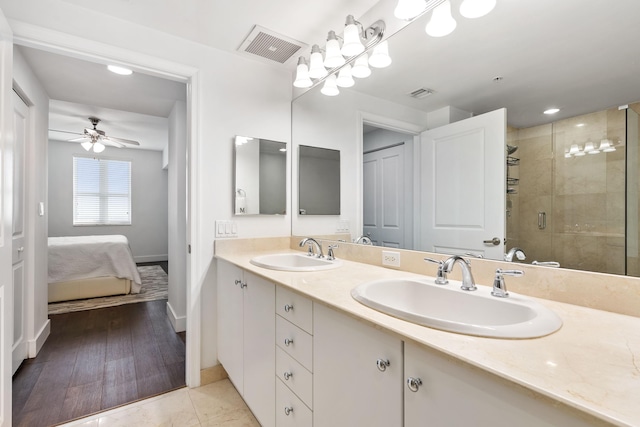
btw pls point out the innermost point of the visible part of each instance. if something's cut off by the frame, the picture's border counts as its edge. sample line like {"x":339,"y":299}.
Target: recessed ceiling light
{"x":579,"y":125}
{"x":119,"y":70}
{"x":551,"y":111}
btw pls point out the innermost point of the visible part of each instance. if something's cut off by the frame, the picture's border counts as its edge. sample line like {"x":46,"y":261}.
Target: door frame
{"x":84,"y":49}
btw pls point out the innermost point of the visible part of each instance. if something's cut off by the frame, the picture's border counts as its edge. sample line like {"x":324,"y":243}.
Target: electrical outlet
{"x":390,"y":258}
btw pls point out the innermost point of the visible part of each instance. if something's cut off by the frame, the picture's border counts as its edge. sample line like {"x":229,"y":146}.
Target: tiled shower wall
{"x":583,"y":197}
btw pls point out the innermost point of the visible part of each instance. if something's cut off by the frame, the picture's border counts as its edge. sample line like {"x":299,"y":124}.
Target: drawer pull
{"x":288,"y":307}
{"x":382,"y":364}
{"x":288,"y":410}
{"x":414,"y":384}
{"x":287,"y":375}
{"x":288,"y":342}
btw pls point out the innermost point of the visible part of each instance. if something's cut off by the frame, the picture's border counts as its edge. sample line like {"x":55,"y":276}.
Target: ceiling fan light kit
{"x":96,"y":139}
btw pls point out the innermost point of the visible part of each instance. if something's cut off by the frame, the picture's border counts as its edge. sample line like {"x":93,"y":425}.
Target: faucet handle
{"x":330,"y":255}
{"x":546,"y":263}
{"x":473,"y":255}
{"x":499,"y":285}
{"x":441,"y":278}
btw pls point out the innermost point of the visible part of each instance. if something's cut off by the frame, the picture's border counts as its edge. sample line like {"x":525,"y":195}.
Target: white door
{"x":20,"y":128}
{"x":463,"y":187}
{"x":383,"y":197}
{"x":6,"y":211}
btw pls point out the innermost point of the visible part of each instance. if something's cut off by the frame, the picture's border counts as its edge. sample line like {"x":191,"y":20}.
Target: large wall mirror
{"x":570,"y":179}
{"x":260,"y":177}
{"x":318,"y":181}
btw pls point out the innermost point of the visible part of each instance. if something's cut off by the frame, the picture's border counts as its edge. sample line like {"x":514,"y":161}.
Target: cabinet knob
{"x":21,"y":249}
{"x":288,"y":410}
{"x":288,"y":342}
{"x":243,"y":285}
{"x":288,"y":307}
{"x":383,"y":364}
{"x":414,"y":384}
{"x":287,"y":375}
{"x":238,"y":281}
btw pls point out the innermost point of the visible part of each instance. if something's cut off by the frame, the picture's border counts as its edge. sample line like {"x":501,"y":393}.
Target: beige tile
{"x":213,"y":374}
{"x":219,"y":404}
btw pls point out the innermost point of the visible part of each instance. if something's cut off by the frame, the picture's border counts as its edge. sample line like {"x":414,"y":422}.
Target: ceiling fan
{"x":96,"y":139}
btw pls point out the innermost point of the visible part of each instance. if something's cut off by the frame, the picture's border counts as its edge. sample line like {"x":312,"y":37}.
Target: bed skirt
{"x":88,"y":288}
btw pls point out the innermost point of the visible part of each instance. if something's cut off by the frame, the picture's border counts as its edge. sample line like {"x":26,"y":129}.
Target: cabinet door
{"x":230,"y":322}
{"x":259,"y":348}
{"x":349,"y":389}
{"x":455,"y":394}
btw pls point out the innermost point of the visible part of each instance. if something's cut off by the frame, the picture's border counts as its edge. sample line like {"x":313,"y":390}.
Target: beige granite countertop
{"x":591,"y":364}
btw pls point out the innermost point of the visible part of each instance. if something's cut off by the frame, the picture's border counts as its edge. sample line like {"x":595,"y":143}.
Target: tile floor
{"x":216,"y":404}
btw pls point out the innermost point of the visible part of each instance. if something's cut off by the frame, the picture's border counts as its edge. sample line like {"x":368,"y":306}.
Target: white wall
{"x":147,"y":233}
{"x":36,"y":191}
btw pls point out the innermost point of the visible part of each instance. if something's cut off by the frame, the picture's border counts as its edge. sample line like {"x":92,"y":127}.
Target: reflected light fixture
{"x":345,"y":78}
{"x":352,"y":45}
{"x":330,"y":87}
{"x":574,"y":149}
{"x":119,"y":70}
{"x":409,"y":9}
{"x":551,"y":111}
{"x":316,"y":64}
{"x":476,"y":8}
{"x":606,"y":146}
{"x":380,"y":57}
{"x":590,"y":148}
{"x":441,"y":22}
{"x":361,"y":68}
{"x":302,"y":74}
{"x":333,"y":57}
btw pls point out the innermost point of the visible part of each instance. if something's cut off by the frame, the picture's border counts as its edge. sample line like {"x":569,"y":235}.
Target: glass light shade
{"x":409,"y":9}
{"x":316,"y":64}
{"x":361,"y":68}
{"x":606,"y":146}
{"x":302,"y":74}
{"x":578,"y":153}
{"x":87,"y":145}
{"x":330,"y":87}
{"x":344,"y":77}
{"x":333,"y":58}
{"x":352,"y":45}
{"x":567,"y":154}
{"x":98,"y":147}
{"x":574,"y":149}
{"x":441,"y":22}
{"x":590,"y":148}
{"x":380,"y":57}
{"x":476,"y":8}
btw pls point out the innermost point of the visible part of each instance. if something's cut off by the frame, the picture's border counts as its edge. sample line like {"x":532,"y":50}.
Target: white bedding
{"x":84,"y":257}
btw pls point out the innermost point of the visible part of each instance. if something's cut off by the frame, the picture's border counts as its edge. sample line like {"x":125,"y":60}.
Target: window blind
{"x":101,"y":191}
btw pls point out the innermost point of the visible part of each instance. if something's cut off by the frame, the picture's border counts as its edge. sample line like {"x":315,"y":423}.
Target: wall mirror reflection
{"x":260,"y":177}
{"x":562,"y":195}
{"x":318,"y":181}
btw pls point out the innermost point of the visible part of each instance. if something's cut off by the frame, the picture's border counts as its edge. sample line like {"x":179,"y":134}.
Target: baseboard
{"x":212,"y":374}
{"x":151,"y":258}
{"x":36,"y":344}
{"x":179,"y":323}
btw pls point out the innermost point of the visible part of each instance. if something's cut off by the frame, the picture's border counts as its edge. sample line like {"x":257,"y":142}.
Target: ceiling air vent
{"x":423,"y":92}
{"x":269,"y":45}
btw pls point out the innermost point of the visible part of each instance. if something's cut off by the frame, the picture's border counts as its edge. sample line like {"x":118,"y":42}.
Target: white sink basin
{"x":449,"y":308}
{"x":294,"y":262}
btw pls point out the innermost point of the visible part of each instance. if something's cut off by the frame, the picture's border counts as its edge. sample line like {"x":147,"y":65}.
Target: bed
{"x":91,"y":266}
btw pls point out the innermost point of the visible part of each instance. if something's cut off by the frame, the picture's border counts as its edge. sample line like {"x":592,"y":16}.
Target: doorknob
{"x":495,"y":241}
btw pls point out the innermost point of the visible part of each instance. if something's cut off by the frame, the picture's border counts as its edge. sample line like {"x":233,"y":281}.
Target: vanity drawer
{"x":295,"y":308}
{"x":295,"y":342}
{"x":295,"y":376}
{"x":290,"y":411}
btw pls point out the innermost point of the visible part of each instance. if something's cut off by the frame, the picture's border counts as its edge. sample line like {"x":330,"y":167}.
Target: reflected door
{"x":463,"y":187}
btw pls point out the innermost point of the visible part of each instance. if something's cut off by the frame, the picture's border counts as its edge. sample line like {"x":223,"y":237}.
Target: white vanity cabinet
{"x":357,"y":372}
{"x":246,"y":332}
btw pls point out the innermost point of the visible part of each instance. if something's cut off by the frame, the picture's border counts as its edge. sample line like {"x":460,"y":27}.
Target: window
{"x":101,"y":191}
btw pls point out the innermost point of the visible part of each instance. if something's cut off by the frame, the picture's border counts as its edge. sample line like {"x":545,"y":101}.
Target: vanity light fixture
{"x":606,"y":146}
{"x":574,"y":149}
{"x":333,"y":57}
{"x":361,"y":68}
{"x":551,"y":111}
{"x":119,"y":70}
{"x":302,"y":74}
{"x":352,"y":45}
{"x":476,"y":8}
{"x":345,"y":78}
{"x":441,"y":22}
{"x":409,"y":9}
{"x":380,"y":57}
{"x":590,"y":148}
{"x":316,"y":64}
{"x":330,"y":87}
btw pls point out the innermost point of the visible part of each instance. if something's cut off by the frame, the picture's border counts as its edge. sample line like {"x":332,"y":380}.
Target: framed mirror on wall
{"x":318,"y":181}
{"x":260,"y":178}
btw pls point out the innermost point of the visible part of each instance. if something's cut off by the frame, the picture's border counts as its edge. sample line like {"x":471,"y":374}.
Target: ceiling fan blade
{"x":91,"y":132}
{"x":81,"y":139}
{"x":64,"y":131}
{"x":111,"y":142}
{"x":122,"y":140}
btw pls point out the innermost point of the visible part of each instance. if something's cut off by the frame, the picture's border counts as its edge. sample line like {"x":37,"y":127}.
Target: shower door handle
{"x":495,"y":241}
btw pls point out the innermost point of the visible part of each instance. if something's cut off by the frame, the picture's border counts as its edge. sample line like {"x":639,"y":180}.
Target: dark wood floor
{"x":98,"y":359}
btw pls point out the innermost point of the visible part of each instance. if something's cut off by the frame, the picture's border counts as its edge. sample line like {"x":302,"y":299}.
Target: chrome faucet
{"x":441,"y":277}
{"x":468,"y":284}
{"x":499,"y":285}
{"x":330,"y":254}
{"x":519,"y":253}
{"x":311,"y":242}
{"x":365,"y":240}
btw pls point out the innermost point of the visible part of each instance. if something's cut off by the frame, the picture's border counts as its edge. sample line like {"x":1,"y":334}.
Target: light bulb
{"x":476,"y":8}
{"x":87,"y":145}
{"x":361,"y":67}
{"x":344,"y":77}
{"x":441,"y":22}
{"x":333,"y":58}
{"x":352,"y":45}
{"x":316,"y":64}
{"x":380,"y":57}
{"x":98,"y":147}
{"x":302,"y":74}
{"x":330,"y":87}
{"x":409,"y":9}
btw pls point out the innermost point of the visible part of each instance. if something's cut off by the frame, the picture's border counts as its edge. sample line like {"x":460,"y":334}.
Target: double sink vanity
{"x":310,"y":341}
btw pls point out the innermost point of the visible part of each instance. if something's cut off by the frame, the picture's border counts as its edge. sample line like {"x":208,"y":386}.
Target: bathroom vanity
{"x":301,"y":351}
